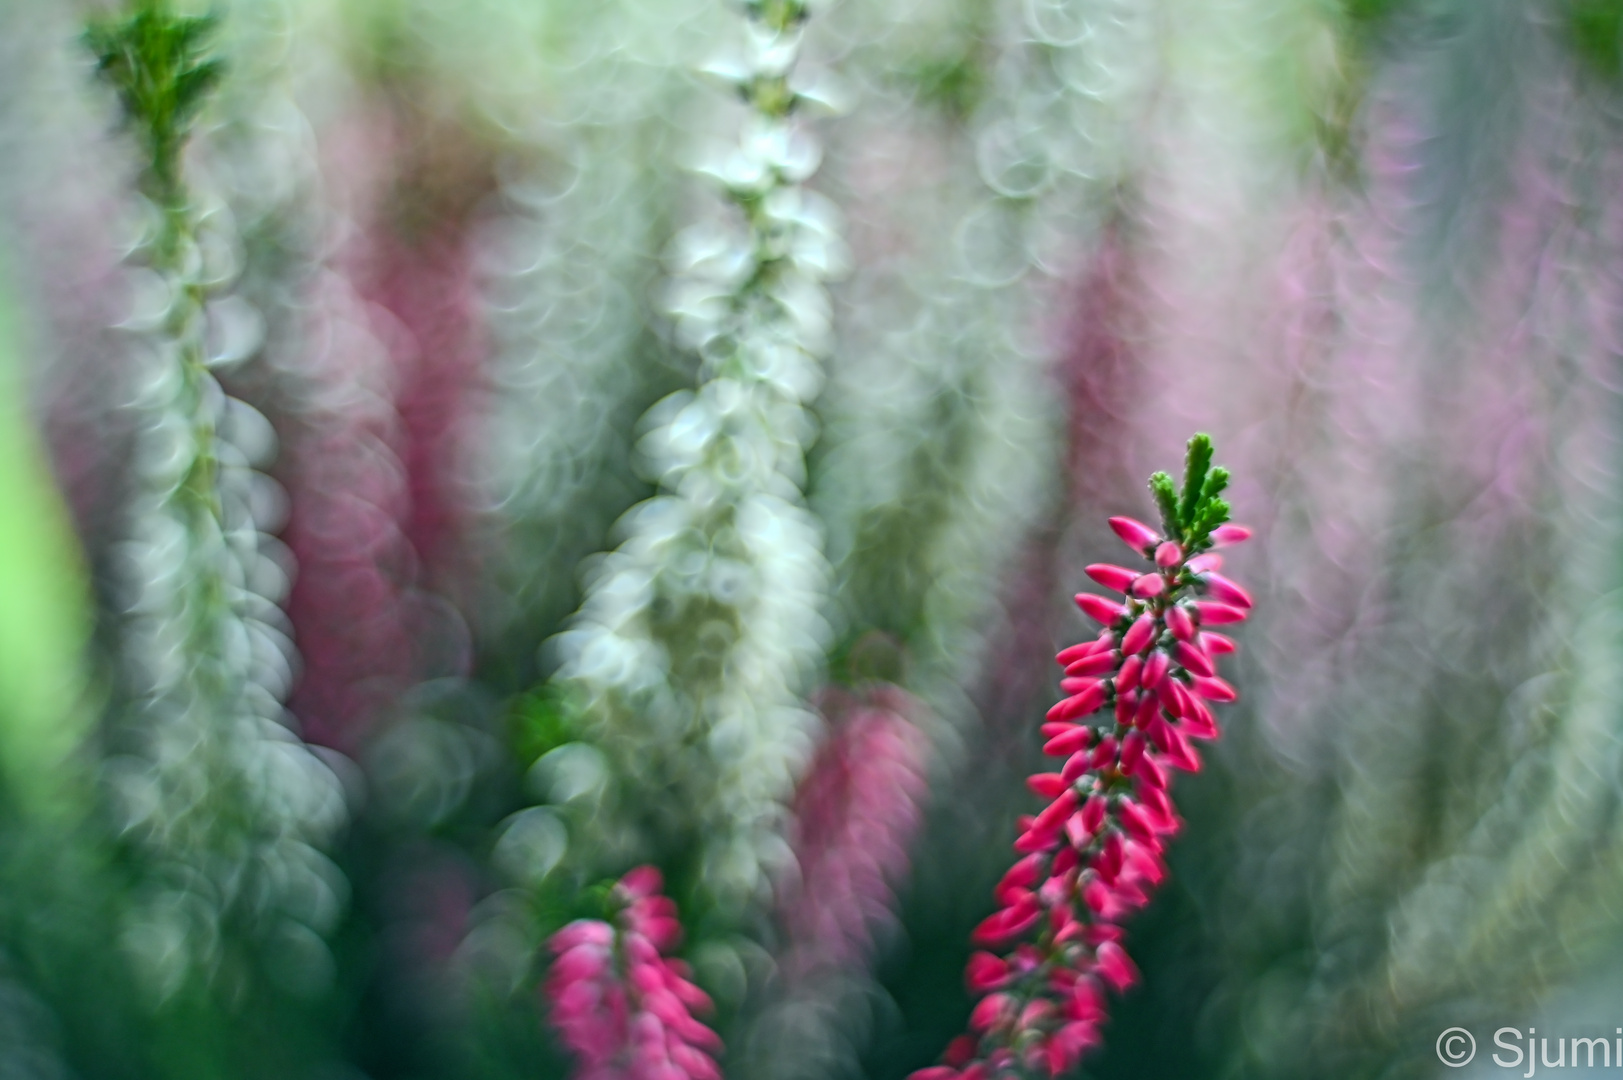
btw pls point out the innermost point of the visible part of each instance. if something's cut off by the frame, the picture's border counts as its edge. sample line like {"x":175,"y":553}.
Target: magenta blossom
{"x":1093,"y":854}
{"x":622,"y":1006}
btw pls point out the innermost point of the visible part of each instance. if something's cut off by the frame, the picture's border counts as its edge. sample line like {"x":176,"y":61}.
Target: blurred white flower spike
{"x":699,"y":633}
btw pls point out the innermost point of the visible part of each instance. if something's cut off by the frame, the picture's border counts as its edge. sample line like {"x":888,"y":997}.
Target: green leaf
{"x":1196,"y":462}
{"x":1166,"y":500}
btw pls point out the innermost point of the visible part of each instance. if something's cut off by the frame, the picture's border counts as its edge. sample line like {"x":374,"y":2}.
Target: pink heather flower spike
{"x":1094,"y":853}
{"x":624,"y":1008}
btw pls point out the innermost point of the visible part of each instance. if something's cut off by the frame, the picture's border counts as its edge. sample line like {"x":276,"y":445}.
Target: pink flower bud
{"x":1222,"y":589}
{"x":1022,"y":874}
{"x":1087,"y":1001}
{"x":1150,"y":773}
{"x":1148,"y":709}
{"x":1077,"y":832}
{"x":643,"y":881}
{"x":985,"y":972}
{"x":1086,"y":699}
{"x":1076,"y":684}
{"x":1070,"y":655}
{"x":1103,"y":754}
{"x":1069,"y":742}
{"x":1115,"y":578}
{"x":1132,"y":748}
{"x":1213,"y":689}
{"x":582,"y":932}
{"x":1175,"y":697}
{"x":1115,"y":967}
{"x":1054,"y":814}
{"x":1093,"y":812}
{"x":1108,"y":862}
{"x":1212,"y":613}
{"x":1148,"y":586}
{"x":1168,"y":555}
{"x":1135,"y":534}
{"x":1135,"y":821}
{"x":1227,"y":535}
{"x":1075,"y":766}
{"x":990,"y":1011}
{"x":1099,"y":608}
{"x":1046,"y":785}
{"x":1198,"y":722}
{"x":1216,"y":644}
{"x":934,"y":1072}
{"x":1202,"y":564}
{"x":1139,"y":635}
{"x":1179,"y":622}
{"x":1125,"y":704}
{"x":1191,"y":657}
{"x":1155,"y":669}
{"x":1127,"y":678}
{"x":1098,"y":664}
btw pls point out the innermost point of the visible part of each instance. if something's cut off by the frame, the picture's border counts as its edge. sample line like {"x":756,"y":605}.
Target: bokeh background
{"x":1374,"y":247}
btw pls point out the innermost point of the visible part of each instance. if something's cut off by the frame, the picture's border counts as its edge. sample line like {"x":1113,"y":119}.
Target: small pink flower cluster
{"x":619,"y":1003}
{"x":1094,"y":853}
{"x":854,"y":817}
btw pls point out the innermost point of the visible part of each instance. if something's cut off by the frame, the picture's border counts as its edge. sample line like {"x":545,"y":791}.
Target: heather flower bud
{"x":1179,"y":622}
{"x":1089,"y":695}
{"x":1155,"y":669}
{"x":1115,"y":967}
{"x":990,"y":1011}
{"x":1132,"y":748}
{"x":986,"y":972}
{"x":1097,"y":664}
{"x":1127,"y":678}
{"x":1227,"y":535}
{"x":1213,"y":689}
{"x":1139,"y":635}
{"x":1225,"y":591}
{"x":1070,"y":655}
{"x":1069,"y":742}
{"x":1099,"y":608}
{"x":1148,"y":586}
{"x":1046,"y":785}
{"x":1103,"y":754}
{"x":1212,"y":613}
{"x":1216,"y":644}
{"x":1093,"y":812}
{"x":1115,"y":578}
{"x":1137,"y":535}
{"x":1206,"y":563}
{"x":1191,"y":657}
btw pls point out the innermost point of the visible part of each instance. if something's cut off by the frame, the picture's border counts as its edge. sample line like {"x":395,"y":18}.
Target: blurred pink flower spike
{"x":623,"y":1007}
{"x":1094,"y":853}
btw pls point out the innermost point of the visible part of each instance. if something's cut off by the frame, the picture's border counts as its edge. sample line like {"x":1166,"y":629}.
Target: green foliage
{"x":158,"y":63}
{"x":1166,"y":501}
{"x":1596,"y":31}
{"x":1193,"y":514}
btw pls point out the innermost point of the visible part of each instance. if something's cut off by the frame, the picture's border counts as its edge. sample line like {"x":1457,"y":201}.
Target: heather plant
{"x":683,"y":662}
{"x":225,"y":808}
{"x":642,"y":511}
